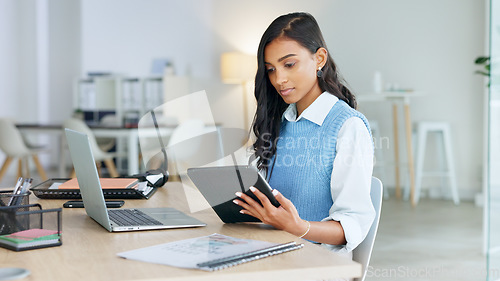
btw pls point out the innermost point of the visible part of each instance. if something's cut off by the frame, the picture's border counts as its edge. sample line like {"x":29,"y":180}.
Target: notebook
{"x":209,"y":253}
{"x":116,"y":219}
{"x":106,"y":183}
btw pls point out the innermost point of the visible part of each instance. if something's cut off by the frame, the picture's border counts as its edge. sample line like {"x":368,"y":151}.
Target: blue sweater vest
{"x":304,"y":161}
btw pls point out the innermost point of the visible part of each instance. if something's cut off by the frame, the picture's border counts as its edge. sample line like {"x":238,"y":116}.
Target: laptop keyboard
{"x":129,"y":217}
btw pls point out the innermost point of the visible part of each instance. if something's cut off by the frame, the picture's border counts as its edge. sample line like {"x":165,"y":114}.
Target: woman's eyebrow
{"x":285,"y":57}
{"x":282,"y":58}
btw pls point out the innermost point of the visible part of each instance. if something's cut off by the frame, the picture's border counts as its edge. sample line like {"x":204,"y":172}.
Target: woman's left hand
{"x":284,"y":217}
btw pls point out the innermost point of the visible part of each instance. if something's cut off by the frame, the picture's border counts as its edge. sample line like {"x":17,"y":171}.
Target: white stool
{"x":378,"y":168}
{"x":422,"y":131}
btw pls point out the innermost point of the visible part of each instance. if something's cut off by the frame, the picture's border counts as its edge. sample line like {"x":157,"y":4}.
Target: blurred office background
{"x":422,"y":46}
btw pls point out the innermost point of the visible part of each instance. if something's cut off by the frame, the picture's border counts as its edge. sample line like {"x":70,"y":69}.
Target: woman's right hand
{"x":284,"y":217}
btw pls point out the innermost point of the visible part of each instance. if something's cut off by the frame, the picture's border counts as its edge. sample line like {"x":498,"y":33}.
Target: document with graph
{"x":212,"y":252}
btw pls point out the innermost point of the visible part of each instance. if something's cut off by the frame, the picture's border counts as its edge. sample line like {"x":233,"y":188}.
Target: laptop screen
{"x":88,"y":178}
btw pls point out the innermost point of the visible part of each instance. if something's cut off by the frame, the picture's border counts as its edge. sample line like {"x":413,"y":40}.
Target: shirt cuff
{"x":352,"y":232}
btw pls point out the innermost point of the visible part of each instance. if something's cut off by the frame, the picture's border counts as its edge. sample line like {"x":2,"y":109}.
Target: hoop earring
{"x":319,"y":73}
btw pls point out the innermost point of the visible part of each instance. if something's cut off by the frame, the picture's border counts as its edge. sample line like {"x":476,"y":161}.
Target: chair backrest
{"x":11,"y":140}
{"x":80,"y":126}
{"x":363,"y":252}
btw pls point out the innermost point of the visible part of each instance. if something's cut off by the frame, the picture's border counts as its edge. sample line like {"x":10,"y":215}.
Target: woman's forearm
{"x":328,"y":232}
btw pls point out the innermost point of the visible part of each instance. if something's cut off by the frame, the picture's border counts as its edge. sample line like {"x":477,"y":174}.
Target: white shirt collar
{"x":316,"y":112}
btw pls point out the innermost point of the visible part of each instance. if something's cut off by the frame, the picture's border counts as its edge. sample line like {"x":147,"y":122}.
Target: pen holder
{"x":7,"y":198}
{"x":9,"y":222}
{"x":27,"y":227}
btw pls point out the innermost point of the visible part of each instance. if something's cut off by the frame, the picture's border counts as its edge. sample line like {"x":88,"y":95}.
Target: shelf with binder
{"x":152,"y":92}
{"x":128,"y":98}
{"x":96,"y":97}
{"x":130,"y":106}
{"x":131,"y":94}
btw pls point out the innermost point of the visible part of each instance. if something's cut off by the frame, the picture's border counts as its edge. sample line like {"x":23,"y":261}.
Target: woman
{"x":312,"y":144}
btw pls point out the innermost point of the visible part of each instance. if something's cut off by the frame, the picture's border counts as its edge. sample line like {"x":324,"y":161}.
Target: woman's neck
{"x":308,"y":99}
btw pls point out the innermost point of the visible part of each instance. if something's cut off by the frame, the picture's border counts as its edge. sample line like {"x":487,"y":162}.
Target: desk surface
{"x":60,"y":127}
{"x":89,"y":251}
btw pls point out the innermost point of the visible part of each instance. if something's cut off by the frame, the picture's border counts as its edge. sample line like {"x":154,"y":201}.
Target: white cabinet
{"x":128,"y":98}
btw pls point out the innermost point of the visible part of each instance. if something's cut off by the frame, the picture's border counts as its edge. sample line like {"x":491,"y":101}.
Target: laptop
{"x":219,"y":184}
{"x":116,"y":219}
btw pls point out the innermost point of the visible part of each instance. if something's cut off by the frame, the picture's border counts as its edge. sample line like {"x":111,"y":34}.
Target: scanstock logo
{"x":191,"y":138}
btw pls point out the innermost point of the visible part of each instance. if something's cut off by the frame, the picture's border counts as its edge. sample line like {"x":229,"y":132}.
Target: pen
{"x":13,"y":200}
{"x":18,"y":185}
{"x":16,"y":190}
{"x":26,"y":185}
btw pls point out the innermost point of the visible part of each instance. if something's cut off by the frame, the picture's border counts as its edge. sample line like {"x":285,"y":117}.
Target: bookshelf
{"x":96,"y":97}
{"x":128,"y":98}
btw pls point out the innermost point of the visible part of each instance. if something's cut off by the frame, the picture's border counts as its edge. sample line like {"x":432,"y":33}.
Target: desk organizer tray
{"x":48,"y":190}
{"x":28,"y":227}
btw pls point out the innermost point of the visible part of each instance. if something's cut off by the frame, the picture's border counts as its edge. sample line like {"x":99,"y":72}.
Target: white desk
{"x":396,"y":97}
{"x":130,"y":134}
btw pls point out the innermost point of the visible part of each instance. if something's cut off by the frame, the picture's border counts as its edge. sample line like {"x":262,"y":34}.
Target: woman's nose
{"x":281,"y":77}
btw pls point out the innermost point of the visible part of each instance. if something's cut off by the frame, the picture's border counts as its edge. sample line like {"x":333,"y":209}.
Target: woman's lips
{"x":286,"y":91}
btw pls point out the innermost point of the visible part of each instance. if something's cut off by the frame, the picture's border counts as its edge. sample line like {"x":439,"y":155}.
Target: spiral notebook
{"x":209,"y":253}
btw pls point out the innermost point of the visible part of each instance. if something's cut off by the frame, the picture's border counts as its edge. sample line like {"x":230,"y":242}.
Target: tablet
{"x":219,"y":184}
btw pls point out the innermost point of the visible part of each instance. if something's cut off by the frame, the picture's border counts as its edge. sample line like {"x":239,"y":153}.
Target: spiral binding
{"x":247,"y":257}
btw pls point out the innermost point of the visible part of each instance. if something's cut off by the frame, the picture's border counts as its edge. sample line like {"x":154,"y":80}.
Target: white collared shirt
{"x":352,"y":171}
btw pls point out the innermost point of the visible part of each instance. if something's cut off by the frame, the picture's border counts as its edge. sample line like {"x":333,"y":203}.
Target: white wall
{"x":21,"y":56}
{"x":8,"y":54}
{"x":64,"y":56}
{"x":27,"y":61}
{"x":40,"y":56}
{"x":494,"y":104}
{"x":125,"y":36}
{"x":11,"y":95}
{"x":426,"y":45}
{"x":17,"y":53}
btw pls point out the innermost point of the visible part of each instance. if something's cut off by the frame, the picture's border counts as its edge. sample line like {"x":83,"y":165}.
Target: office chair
{"x":99,"y":155}
{"x":363,"y":252}
{"x":106,"y":144}
{"x":14,"y":146}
